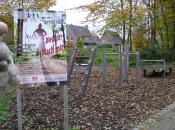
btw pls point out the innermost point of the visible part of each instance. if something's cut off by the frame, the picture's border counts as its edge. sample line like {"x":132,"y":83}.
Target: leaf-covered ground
{"x":103,"y":108}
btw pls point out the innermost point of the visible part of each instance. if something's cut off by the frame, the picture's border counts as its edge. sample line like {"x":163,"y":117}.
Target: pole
{"x":19,"y":111}
{"x":138,"y":67}
{"x":66,"y":116}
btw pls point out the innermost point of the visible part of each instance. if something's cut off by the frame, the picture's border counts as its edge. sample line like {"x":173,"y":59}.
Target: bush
{"x":21,"y":59}
{"x":60,"y":55}
{"x":158,"y":53}
{"x":132,"y":63}
{"x":97,"y":60}
{"x":111,"y":58}
{"x":105,"y":46}
{"x":114,"y":49}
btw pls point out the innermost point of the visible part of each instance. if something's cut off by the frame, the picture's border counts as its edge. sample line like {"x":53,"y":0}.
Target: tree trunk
{"x":174,"y":36}
{"x":153,"y":29}
{"x":165,"y":23}
{"x":173,"y":12}
{"x":124,"y":48}
{"x":130,"y":26}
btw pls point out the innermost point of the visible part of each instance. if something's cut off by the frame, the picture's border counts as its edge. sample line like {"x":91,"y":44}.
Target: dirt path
{"x":167,"y":120}
{"x":162,"y":120}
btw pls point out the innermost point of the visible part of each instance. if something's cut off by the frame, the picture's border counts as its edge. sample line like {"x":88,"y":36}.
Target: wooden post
{"x":124,"y":66}
{"x":66,"y":115}
{"x":104,"y":69}
{"x":138,"y":67}
{"x":126,"y":61}
{"x":19,"y":111}
{"x":121,"y":70}
{"x":71,"y":66}
{"x":164,"y":67}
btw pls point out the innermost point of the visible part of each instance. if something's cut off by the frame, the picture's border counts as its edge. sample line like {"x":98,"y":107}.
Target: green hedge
{"x":158,"y":53}
{"x":60,"y":55}
{"x":105,"y":46}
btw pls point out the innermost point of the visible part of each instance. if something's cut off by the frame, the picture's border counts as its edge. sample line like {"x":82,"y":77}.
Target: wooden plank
{"x":82,"y":57}
{"x":88,"y":72}
{"x":158,"y":68}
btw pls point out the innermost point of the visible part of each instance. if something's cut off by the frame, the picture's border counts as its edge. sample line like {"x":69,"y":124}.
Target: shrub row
{"x":158,"y":53}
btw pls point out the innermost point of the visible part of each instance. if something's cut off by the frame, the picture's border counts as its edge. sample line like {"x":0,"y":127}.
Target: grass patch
{"x":76,"y":127}
{"x":4,"y":103}
{"x":111,"y":60}
{"x":60,"y":55}
{"x":21,"y":59}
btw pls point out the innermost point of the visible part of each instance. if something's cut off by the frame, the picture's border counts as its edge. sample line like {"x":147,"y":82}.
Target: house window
{"x":87,"y":38}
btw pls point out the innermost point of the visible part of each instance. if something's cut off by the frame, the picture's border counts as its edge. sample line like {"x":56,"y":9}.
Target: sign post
{"x":66,"y":114}
{"x":19,"y":111}
{"x":44,"y":32}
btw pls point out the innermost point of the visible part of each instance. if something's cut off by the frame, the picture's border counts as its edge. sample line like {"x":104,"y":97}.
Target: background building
{"x":74,"y":32}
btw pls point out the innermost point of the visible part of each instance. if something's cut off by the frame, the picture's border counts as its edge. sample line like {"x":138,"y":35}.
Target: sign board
{"x":40,"y":35}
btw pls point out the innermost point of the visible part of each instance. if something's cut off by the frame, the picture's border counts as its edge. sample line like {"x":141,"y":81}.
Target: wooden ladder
{"x":86,"y":77}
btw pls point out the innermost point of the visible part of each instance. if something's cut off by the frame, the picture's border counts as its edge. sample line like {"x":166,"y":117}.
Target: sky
{"x":74,"y":17}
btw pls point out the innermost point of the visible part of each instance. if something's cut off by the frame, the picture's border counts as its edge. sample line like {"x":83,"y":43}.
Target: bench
{"x":157,"y":68}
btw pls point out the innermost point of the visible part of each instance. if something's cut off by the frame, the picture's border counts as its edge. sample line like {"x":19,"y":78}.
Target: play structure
{"x":83,"y":86}
{"x":121,"y":56}
{"x":139,"y":67}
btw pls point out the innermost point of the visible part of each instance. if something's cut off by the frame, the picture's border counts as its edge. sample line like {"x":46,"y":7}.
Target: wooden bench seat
{"x":157,"y":68}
